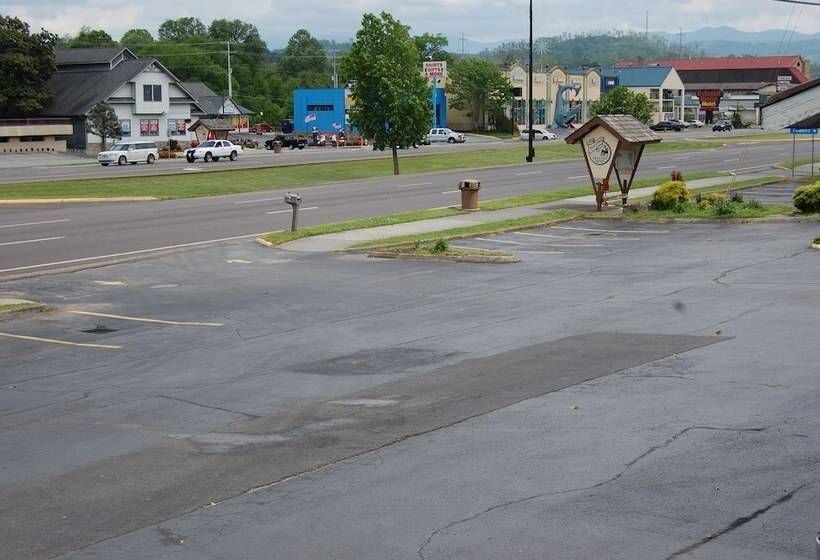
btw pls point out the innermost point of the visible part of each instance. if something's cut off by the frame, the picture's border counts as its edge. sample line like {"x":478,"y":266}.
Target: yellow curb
{"x":73,"y":200}
{"x":264,"y":242}
{"x":815,"y":246}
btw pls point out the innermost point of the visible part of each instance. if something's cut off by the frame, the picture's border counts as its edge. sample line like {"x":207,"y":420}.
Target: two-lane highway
{"x":39,"y":238}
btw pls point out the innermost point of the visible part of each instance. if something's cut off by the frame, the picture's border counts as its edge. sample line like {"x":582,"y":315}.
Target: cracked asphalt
{"x":642,"y":391}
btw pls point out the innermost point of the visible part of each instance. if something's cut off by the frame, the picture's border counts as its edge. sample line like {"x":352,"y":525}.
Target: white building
{"x":150,"y":102}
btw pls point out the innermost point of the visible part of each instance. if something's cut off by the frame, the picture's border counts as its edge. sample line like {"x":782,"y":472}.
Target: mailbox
{"x":294,"y":199}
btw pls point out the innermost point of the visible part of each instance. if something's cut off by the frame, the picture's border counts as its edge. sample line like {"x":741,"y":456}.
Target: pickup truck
{"x":260,"y":128}
{"x":287,"y":141}
{"x":212,"y":150}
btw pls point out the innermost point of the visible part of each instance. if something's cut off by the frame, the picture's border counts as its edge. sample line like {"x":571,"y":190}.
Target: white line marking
{"x":450,"y":192}
{"x":667,"y":167}
{"x":145,"y":319}
{"x":35,"y":223}
{"x":191,"y":169}
{"x":546,"y":235}
{"x":31,"y":241}
{"x":540,"y":252}
{"x":752,"y":168}
{"x":415,"y":185}
{"x":529,"y":173}
{"x":501,"y":241}
{"x":609,"y":230}
{"x":283,"y":211}
{"x":730,"y":159}
{"x":63,"y":342}
{"x":258,"y":200}
{"x":137,"y":252}
{"x":578,"y":177}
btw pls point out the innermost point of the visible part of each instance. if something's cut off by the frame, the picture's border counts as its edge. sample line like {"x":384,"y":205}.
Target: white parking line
{"x":290,"y":210}
{"x":145,"y":320}
{"x":609,"y":230}
{"x":501,"y":241}
{"x":415,"y":185}
{"x":62,"y":342}
{"x":137,"y":252}
{"x":258,"y":200}
{"x":35,"y":223}
{"x":32,"y":240}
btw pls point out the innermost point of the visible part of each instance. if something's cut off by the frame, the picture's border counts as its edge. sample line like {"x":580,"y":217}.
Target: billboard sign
{"x":435,"y":69}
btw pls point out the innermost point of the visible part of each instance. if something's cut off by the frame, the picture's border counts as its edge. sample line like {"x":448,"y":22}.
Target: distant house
{"x":150,"y":102}
{"x":219,"y":106}
{"x":661,"y":84}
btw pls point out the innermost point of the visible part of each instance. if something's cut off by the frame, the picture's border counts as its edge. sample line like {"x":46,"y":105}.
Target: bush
{"x":439,"y":247}
{"x":173,"y":144}
{"x":705,"y":200}
{"x":670,"y":194}
{"x":753,"y":204}
{"x":736,"y":196}
{"x":807,"y":198}
{"x":723,"y":208}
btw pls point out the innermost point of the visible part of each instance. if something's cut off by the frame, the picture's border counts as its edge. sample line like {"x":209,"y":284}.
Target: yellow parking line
{"x":63,"y":342}
{"x":145,"y":319}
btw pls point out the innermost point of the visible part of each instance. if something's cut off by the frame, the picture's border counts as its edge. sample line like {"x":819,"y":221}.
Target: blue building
{"x":328,"y":109}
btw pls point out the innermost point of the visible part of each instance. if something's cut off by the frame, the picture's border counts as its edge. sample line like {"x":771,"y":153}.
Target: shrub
{"x":807,"y":198}
{"x":705,"y":200}
{"x":669,"y":194}
{"x":753,"y":204}
{"x":723,"y":208}
{"x":736,"y":196}
{"x":676,"y":175}
{"x":173,"y":144}
{"x":440,"y":246}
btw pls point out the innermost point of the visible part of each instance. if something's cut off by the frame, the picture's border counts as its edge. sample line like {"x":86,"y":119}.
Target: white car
{"x":445,"y":135}
{"x":538,"y":134}
{"x":212,"y":150}
{"x":129,"y":152}
{"x":696,"y":123}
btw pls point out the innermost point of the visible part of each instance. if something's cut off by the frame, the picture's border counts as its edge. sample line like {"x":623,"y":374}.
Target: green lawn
{"x":284,"y":177}
{"x":15,"y":307}
{"x":694,"y":212}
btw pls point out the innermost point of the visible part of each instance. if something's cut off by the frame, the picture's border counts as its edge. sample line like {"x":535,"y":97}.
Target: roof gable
{"x":89,"y":56}
{"x":648,"y":76}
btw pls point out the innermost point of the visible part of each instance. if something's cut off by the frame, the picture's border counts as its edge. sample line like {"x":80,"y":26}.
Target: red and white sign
{"x":435,"y":69}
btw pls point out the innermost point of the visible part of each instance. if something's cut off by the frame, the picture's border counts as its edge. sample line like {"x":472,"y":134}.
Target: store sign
{"x":709,"y":99}
{"x":435,"y":69}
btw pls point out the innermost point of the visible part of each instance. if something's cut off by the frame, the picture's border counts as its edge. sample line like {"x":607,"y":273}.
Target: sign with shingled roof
{"x":612,"y":143}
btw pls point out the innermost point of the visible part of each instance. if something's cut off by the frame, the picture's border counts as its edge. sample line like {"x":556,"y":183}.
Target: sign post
{"x":795,"y":132}
{"x":435,"y":70}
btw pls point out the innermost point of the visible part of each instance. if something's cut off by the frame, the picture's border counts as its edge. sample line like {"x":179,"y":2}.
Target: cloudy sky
{"x":478,"y":20}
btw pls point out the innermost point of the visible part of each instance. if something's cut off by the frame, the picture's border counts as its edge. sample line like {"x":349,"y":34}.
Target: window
{"x":654,"y":93}
{"x":151,"y":93}
{"x":324,"y":108}
{"x":517,"y":91}
{"x":149,"y":127}
{"x":125,"y":128}
{"x":176,"y":127}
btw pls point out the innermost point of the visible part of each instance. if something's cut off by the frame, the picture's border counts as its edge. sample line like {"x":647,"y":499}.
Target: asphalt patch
{"x":374,"y":362}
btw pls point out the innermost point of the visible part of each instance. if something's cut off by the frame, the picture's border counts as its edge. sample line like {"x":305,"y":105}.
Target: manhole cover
{"x":100,"y":329}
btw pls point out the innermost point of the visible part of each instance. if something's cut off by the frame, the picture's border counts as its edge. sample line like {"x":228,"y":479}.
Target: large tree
{"x":623,"y":101}
{"x":136,"y":38}
{"x":479,"y":87}
{"x":182,"y":29}
{"x":305,"y":60}
{"x":431,"y":47}
{"x":391,"y":97}
{"x":102,"y":121}
{"x":26,"y":63}
{"x":91,"y":38}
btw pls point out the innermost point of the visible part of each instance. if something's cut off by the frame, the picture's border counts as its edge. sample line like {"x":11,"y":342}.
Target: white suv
{"x":212,"y":150}
{"x":129,"y":152}
{"x":445,"y":135}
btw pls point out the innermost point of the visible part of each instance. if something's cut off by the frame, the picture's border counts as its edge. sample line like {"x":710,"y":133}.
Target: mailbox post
{"x":295,"y":201}
{"x":613,"y":142}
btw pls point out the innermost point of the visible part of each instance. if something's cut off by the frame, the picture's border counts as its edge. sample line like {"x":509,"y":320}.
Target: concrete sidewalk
{"x":344,"y":240}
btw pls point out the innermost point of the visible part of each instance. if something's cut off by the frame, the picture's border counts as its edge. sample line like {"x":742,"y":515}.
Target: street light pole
{"x":530,"y":150}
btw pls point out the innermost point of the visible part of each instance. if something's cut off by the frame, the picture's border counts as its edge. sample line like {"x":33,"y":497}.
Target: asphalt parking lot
{"x":626,"y":391}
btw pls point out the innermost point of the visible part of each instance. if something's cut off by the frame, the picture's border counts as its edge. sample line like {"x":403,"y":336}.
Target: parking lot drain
{"x":100,"y":329}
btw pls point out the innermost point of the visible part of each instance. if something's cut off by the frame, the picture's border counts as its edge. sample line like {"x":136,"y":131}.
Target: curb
{"x":265,"y":242}
{"x":33,"y":308}
{"x":78,"y":200}
{"x":815,"y":246}
{"x":480,"y":259}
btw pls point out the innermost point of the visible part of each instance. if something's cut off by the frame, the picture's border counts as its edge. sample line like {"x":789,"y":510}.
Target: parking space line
{"x":290,"y":210}
{"x":35,"y":223}
{"x":540,"y":252}
{"x":501,"y":241}
{"x":609,"y":230}
{"x":61,"y":342}
{"x":145,"y":319}
{"x":32,"y":240}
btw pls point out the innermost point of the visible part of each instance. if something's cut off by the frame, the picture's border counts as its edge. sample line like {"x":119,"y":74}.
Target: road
{"x":34,"y":238}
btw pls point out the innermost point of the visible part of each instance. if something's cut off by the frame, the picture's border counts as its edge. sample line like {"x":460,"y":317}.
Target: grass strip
{"x":799,"y":162}
{"x":490,"y":227}
{"x":723,"y":187}
{"x":694,"y":212}
{"x":214,"y":183}
{"x":15,"y":307}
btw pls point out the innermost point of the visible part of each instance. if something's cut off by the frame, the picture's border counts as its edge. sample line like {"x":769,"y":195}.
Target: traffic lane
{"x":113,"y":231}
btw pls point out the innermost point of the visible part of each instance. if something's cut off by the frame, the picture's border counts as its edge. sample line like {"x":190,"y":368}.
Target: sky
{"x":482,"y":21}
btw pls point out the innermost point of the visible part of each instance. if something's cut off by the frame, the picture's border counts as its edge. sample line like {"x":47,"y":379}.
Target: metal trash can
{"x":277,"y":147}
{"x":469,"y":193}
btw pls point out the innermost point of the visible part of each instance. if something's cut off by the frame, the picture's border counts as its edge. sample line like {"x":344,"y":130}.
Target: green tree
{"x":182,"y":29}
{"x":26,"y":63}
{"x":479,"y":87}
{"x":91,"y":38}
{"x":390,"y":94}
{"x":304,"y":59}
{"x":431,"y":47}
{"x":623,"y":101}
{"x":102,"y":121}
{"x":136,"y":38}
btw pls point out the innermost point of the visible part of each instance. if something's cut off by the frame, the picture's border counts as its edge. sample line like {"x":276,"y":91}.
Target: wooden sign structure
{"x":613,"y":142}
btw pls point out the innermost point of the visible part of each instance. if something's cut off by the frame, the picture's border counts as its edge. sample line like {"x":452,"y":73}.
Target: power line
{"x":804,"y":2}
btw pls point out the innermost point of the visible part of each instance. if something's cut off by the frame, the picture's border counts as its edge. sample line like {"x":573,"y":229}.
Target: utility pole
{"x":335,"y":75}
{"x":680,"y":43}
{"x":646,"y":33}
{"x":462,"y":44}
{"x":230,"y":72}
{"x":530,"y":149}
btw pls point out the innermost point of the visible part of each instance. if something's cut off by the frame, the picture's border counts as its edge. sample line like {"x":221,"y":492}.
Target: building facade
{"x":660,"y":84}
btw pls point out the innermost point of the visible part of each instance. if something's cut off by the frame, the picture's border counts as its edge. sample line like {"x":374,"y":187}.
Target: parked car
{"x":722,"y":126}
{"x":445,"y":135}
{"x":261,"y":128}
{"x":129,"y":152}
{"x":684,"y":124}
{"x":538,"y":134}
{"x":288,"y":141}
{"x":667,"y":125}
{"x":695,"y":123}
{"x":212,"y":150}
